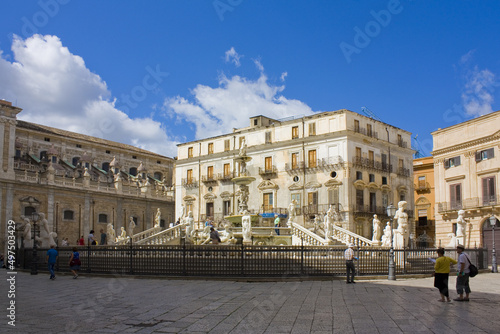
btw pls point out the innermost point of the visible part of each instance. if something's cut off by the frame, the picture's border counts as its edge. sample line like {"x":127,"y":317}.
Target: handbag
{"x":472,"y":268}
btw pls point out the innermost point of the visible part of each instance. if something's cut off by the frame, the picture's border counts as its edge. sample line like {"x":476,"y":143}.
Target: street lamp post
{"x":493,"y":222}
{"x":391,"y":211}
{"x":34,"y":258}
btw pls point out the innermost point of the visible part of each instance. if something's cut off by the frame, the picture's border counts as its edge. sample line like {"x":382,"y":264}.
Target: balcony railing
{"x":403,"y":172}
{"x":267,"y":171}
{"x":208,"y":179}
{"x":289,"y":167}
{"x":469,"y":203}
{"x":225,"y":176}
{"x":422,"y":186}
{"x":371,"y":164}
{"x":365,"y":132}
{"x":190,"y":183}
{"x":402,"y":143}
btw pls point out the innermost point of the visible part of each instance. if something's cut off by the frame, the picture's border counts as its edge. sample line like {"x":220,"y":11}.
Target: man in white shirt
{"x":349,"y":263}
{"x":463,"y":275}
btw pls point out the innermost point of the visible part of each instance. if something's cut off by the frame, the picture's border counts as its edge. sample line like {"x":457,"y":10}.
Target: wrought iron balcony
{"x":403,"y":172}
{"x":470,"y":203}
{"x":366,"y":132}
{"x":294,"y":168}
{"x":208,"y":179}
{"x":225,"y":176}
{"x":371,"y":164}
{"x":422,"y":186}
{"x":267,"y":171}
{"x":190,"y":183}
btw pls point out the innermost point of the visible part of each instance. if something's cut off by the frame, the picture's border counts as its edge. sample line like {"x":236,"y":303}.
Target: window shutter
{"x":457,"y":161}
{"x":478,"y":156}
{"x":490,"y":153}
{"x":447,"y":163}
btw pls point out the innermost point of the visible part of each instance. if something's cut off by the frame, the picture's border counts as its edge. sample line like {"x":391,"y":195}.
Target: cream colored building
{"x":466,"y":173}
{"x":338,"y":158}
{"x":79,"y":182}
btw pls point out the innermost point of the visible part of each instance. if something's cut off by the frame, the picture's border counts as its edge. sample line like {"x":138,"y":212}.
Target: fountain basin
{"x":243,"y":180}
{"x":236,"y":219}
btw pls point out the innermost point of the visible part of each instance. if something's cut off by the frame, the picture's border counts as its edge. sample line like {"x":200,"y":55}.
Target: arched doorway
{"x":487,"y":236}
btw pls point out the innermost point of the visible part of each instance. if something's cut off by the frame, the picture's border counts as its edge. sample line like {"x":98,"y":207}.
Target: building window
{"x":242,"y":139}
{"x":489,"y":196}
{"x":456,"y":196}
{"x":358,"y":152}
{"x":421,"y":182}
{"x":210,"y":148}
{"x":54,"y":159}
{"x":68,"y":215}
{"x":373,"y":202}
{"x":134,"y":157}
{"x":385,"y":200}
{"x":105,"y":166}
{"x":18,"y":153}
{"x":190,"y":152}
{"x":227,"y":208}
{"x":402,"y":197}
{"x":371,"y":177}
{"x":268,"y":202}
{"x":75,"y":161}
{"x":400,"y":140}
{"x":369,"y":130}
{"x":43,"y":156}
{"x":108,"y":152}
{"x":356,"y":125}
{"x":227,"y":170}
{"x":255,"y":122}
{"x":312,"y":159}
{"x":296,"y":198}
{"x":295,"y":160}
{"x":103,"y":218}
{"x":452,"y":162}
{"x":485,"y":154}
{"x":312,"y":202}
{"x":384,"y":179}
{"x":359,"y":198}
{"x":312,"y":129}
{"x":158,"y":176}
{"x":268,"y":164}
{"x":133,"y":171}
{"x":295,"y":132}
{"x":210,"y":172}
{"x":268,"y":137}
{"x":78,"y":146}
{"x":189,"y":176}
{"x":359,"y":175}
{"x":158,"y":162}
{"x":384,"y":161}
{"x":371,"y":158}
{"x":227,"y":144}
{"x":46,"y":139}
{"x":401,"y":164}
{"x":333,"y":196}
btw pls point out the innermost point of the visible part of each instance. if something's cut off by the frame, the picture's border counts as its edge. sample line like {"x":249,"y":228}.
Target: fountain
{"x":242,"y":180}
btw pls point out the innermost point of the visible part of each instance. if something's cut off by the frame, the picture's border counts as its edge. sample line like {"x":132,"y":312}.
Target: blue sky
{"x":157,"y":73}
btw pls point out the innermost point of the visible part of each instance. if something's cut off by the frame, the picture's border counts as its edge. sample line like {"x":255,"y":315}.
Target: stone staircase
{"x":340,"y":236}
{"x":137,"y":238}
{"x":169,"y":236}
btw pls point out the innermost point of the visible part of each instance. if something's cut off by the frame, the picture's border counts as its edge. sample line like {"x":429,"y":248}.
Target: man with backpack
{"x":463,"y":275}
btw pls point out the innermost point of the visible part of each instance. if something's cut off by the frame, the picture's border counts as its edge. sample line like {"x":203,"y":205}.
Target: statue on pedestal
{"x":328,"y":223}
{"x":131,"y":227}
{"x":291,"y":212}
{"x":461,"y":227}
{"x":26,"y":232}
{"x":377,"y":230}
{"x":401,"y":234}
{"x":386,"y":238}
{"x":190,"y":225}
{"x":181,"y":213}
{"x":157,"y":218}
{"x":46,"y":236}
{"x":246,"y":224}
{"x":111,"y":234}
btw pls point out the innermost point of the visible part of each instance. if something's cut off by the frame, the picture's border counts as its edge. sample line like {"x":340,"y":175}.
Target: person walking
{"x":463,"y":275}
{"x":51,"y":259}
{"x":74,"y":262}
{"x":349,"y":263}
{"x":442,"y":273}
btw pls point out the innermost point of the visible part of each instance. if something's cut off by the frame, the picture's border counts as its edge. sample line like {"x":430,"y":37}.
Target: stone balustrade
{"x":163,"y":237}
{"x":347,"y":237}
{"x":308,"y":237}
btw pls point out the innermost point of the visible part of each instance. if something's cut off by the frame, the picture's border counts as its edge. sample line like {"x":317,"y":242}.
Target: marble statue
{"x":46,"y":237}
{"x":336,"y":217}
{"x":317,"y":223}
{"x":291,"y":212}
{"x":111,"y":233}
{"x":227,"y":235}
{"x":243,"y":148}
{"x":401,"y":234}
{"x":386,"y":237}
{"x":26,"y":232}
{"x":453,"y":241}
{"x":131,"y":227}
{"x":181,"y":213}
{"x":157,"y":218}
{"x":190,"y":225}
{"x":123,"y":234}
{"x":328,"y":223}
{"x":461,"y":227}
{"x":377,"y":233}
{"x":246,"y":224}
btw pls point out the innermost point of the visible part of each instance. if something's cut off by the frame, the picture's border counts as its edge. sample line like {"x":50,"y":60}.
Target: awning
{"x":34,"y":157}
{"x":70,"y":165}
{"x":101,"y":170}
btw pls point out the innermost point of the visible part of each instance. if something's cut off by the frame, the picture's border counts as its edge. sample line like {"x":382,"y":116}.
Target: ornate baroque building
{"x":341,"y":158}
{"x":79,"y":182}
{"x":466,"y":174}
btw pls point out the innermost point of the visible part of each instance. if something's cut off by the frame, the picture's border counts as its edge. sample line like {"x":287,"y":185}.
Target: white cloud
{"x":477,"y":96}
{"x":233,"y":56}
{"x":214,"y":111}
{"x":283,"y":76}
{"x":55,"y":88}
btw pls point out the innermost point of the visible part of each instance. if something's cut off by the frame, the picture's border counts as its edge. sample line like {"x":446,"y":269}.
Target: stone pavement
{"x":122,"y":304}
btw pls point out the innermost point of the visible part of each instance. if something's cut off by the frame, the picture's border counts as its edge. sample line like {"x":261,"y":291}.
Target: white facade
{"x":338,"y":157}
{"x":466,"y":174}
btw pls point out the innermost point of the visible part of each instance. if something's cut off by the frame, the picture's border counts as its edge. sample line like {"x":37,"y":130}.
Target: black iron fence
{"x":243,"y":261}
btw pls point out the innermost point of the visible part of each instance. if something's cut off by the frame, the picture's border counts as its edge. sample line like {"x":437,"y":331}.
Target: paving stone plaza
{"x":123,"y":304}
